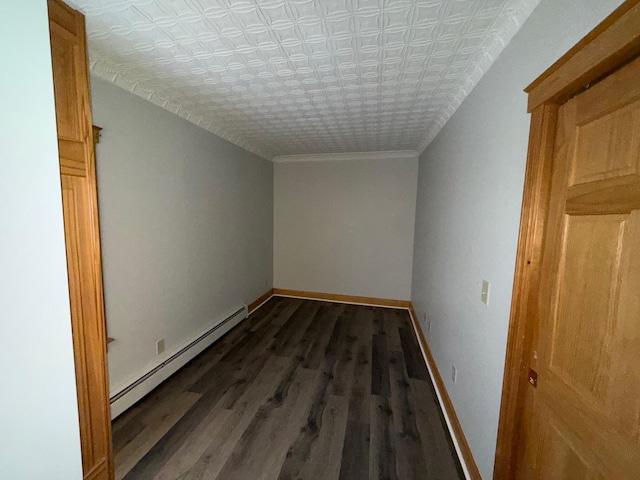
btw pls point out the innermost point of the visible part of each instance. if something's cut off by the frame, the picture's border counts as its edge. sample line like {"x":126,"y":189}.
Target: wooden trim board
{"x":460,"y":441}
{"x":610,"y":45}
{"x":259,"y":301}
{"x":526,"y":279}
{"x":333,"y":297}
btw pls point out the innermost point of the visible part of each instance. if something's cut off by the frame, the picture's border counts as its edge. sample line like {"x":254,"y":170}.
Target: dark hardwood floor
{"x":300,"y":390}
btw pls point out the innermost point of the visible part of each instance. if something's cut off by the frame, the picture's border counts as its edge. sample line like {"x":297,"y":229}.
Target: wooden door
{"x":80,"y":207}
{"x":584,"y":414}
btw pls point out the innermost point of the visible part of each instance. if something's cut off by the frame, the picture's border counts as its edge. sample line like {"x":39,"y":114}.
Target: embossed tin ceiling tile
{"x":303,"y":76}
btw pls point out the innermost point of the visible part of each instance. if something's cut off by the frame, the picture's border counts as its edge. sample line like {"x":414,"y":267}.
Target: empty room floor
{"x":302,"y":389}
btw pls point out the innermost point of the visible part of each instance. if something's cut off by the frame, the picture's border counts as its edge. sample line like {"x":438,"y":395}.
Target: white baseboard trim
{"x":331,"y":300}
{"x":443,"y":409}
{"x":258,"y":307}
{"x":327,"y":297}
{"x":125,"y":396}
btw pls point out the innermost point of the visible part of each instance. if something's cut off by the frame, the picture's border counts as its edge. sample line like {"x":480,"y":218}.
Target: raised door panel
{"x":88,"y":333}
{"x":605,"y":175}
{"x":609,"y":146}
{"x":565,"y":454}
{"x":66,"y":50}
{"x":586,"y":295}
{"x":586,"y":407}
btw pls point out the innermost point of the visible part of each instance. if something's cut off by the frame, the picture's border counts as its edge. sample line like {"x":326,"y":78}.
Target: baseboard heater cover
{"x":134,"y":391}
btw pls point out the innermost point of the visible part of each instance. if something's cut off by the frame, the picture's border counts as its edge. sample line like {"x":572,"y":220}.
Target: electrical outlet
{"x":160,"y":346}
{"x":454,"y":373}
{"x":266,"y":283}
{"x":486,"y":289}
{"x":426,"y":322}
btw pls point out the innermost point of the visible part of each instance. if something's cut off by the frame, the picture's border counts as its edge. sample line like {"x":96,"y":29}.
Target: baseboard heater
{"x":134,"y":391}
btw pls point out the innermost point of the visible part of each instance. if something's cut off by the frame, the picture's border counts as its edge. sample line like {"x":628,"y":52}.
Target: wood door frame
{"x":609,"y":46}
{"x":84,"y":265}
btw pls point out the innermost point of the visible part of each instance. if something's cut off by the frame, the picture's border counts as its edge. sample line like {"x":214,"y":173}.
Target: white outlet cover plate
{"x":486,"y":289}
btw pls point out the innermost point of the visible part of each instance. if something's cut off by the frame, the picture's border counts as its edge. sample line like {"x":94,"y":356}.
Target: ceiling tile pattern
{"x":289,"y":77}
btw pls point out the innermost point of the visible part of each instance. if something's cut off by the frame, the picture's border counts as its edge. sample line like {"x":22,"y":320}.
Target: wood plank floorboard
{"x":301,"y":390}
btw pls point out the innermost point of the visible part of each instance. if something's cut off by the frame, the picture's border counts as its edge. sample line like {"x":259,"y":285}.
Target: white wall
{"x":345,"y":226}
{"x":469,"y":198}
{"x":187,"y":227}
{"x":39,"y":432}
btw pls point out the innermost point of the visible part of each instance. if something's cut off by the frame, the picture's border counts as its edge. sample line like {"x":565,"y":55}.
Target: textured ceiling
{"x":303,"y":76}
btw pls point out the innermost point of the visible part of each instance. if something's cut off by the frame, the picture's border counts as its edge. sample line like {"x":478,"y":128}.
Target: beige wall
{"x":345,"y":226}
{"x":187,"y":227}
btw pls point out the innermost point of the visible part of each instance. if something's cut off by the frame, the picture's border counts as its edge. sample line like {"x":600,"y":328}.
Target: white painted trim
{"x":337,"y":301}
{"x":256,"y":309}
{"x":140,"y":391}
{"x":445,"y":414}
{"x":324,"y":157}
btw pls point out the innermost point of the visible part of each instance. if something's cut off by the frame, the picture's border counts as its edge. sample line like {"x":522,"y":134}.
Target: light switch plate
{"x":484,"y":295}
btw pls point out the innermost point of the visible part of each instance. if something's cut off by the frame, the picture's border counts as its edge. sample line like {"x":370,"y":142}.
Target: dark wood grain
{"x":379,"y":366}
{"x":412,"y":463}
{"x":382,"y":457}
{"x":304,"y":390}
{"x":416,"y":368}
{"x":354,"y":464}
{"x":315,"y":351}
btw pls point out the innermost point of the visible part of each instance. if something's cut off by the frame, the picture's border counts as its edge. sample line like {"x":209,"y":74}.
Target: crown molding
{"x":326,"y":157}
